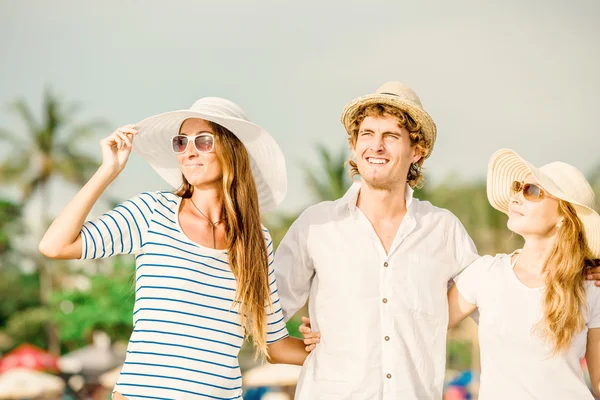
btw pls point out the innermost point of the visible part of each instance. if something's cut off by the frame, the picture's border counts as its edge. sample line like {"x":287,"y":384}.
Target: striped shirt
{"x":186,"y":329}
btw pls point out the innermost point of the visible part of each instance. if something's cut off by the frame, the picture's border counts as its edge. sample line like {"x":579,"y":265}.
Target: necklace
{"x":212,"y":224}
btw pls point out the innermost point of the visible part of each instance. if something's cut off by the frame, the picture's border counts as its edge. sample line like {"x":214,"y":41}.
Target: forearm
{"x":592,"y":357}
{"x":458,"y":307}
{"x":287,"y":351}
{"x":62,"y":237}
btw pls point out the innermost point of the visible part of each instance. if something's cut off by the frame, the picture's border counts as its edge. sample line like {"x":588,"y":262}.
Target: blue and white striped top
{"x":186,"y":330}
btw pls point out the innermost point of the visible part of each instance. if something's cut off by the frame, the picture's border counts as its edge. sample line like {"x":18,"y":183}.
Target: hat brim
{"x":506,"y":166}
{"x":416,"y":112}
{"x":267,"y":162}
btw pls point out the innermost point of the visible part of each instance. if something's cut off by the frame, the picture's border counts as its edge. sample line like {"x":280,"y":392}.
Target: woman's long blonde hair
{"x":247,"y":254}
{"x":564,"y":301}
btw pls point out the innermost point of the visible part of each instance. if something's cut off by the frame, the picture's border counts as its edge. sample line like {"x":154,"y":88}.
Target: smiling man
{"x":376,"y":263}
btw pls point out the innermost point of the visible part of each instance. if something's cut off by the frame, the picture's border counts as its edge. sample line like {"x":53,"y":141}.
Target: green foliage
{"x":21,"y":316}
{"x":10,"y":215}
{"x":458,"y":355}
{"x":28,"y":326}
{"x":107,"y":306}
{"x":18,"y":291}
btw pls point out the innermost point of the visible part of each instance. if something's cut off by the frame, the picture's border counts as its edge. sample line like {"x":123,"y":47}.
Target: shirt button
{"x":384,"y":300}
{"x":389,"y":376}
{"x":385,"y":264}
{"x":387,"y":338}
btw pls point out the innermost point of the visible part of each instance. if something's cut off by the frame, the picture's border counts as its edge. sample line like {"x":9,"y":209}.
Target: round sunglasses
{"x":531,"y":191}
{"x":204,"y":142}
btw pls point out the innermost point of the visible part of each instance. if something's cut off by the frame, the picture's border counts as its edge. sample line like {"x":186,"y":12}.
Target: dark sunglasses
{"x":204,"y":143}
{"x":531,"y":191}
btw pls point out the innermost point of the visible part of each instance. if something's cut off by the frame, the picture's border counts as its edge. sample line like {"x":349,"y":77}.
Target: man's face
{"x":383,"y":152}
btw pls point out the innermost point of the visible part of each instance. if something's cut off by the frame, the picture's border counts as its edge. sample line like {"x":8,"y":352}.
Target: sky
{"x":517,"y":74}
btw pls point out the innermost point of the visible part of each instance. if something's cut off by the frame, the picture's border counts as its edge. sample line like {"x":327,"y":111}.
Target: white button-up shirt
{"x":382,"y":317}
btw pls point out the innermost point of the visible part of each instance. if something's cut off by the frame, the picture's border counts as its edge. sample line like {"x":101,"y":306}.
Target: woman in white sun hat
{"x":204,"y":276}
{"x":538,"y":316}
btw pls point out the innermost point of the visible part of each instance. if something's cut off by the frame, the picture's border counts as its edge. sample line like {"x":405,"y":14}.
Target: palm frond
{"x":74,"y":167}
{"x":9,"y":137}
{"x":22,"y":109}
{"x":15,"y":167}
{"x":31,"y":186}
{"x":328,"y":180}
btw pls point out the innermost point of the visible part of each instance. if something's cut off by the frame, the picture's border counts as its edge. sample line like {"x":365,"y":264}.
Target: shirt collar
{"x":348,"y":201}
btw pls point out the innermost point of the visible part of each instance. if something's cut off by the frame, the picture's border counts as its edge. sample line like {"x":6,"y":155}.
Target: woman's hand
{"x":310,"y":338}
{"x":116,"y":148}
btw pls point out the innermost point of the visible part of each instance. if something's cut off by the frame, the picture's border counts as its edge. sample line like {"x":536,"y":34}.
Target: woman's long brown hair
{"x":247,"y":253}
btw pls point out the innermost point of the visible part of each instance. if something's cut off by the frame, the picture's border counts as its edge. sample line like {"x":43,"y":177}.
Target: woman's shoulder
{"x":266,"y":233}
{"x":491,"y":262}
{"x":151,"y":201}
{"x":154,"y":196}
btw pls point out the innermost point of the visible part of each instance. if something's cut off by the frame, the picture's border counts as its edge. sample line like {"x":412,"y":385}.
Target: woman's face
{"x":201,"y":169}
{"x":533,"y":218}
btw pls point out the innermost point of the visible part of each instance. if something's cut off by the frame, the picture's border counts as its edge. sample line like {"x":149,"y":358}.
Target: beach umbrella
{"x":29,"y":356}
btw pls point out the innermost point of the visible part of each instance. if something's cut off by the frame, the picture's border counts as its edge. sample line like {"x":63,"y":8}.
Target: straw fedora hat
{"x":399,"y":95}
{"x":561,"y":180}
{"x":153,"y":143}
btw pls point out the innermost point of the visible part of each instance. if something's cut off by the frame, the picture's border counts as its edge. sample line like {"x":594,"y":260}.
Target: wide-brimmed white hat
{"x":153,"y":143}
{"x":561,"y":180}
{"x":399,"y":95}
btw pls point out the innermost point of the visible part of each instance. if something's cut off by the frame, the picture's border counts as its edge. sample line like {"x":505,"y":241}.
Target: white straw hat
{"x":399,"y":95}
{"x":561,"y":180}
{"x":153,"y":143}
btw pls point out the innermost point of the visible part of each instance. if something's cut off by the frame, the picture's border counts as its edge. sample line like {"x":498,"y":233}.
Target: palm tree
{"x":46,"y":149}
{"x":329,"y":180}
{"x":10,"y":214}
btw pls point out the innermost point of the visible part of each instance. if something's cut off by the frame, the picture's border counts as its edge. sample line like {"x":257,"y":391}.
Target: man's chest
{"x":351,"y":263}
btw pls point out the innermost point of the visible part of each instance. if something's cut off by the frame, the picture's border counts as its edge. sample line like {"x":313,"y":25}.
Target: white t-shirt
{"x":515,"y":362}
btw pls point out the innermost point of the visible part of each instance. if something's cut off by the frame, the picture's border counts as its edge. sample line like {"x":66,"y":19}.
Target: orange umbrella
{"x":29,"y":356}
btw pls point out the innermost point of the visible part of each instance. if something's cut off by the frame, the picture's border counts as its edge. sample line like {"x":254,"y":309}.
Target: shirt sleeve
{"x":294,"y":269}
{"x":471,"y":280}
{"x":276,"y":329}
{"x":465,"y":250}
{"x":120,"y":231}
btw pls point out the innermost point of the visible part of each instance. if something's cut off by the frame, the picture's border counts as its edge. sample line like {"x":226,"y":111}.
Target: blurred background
{"x":515,"y":74}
